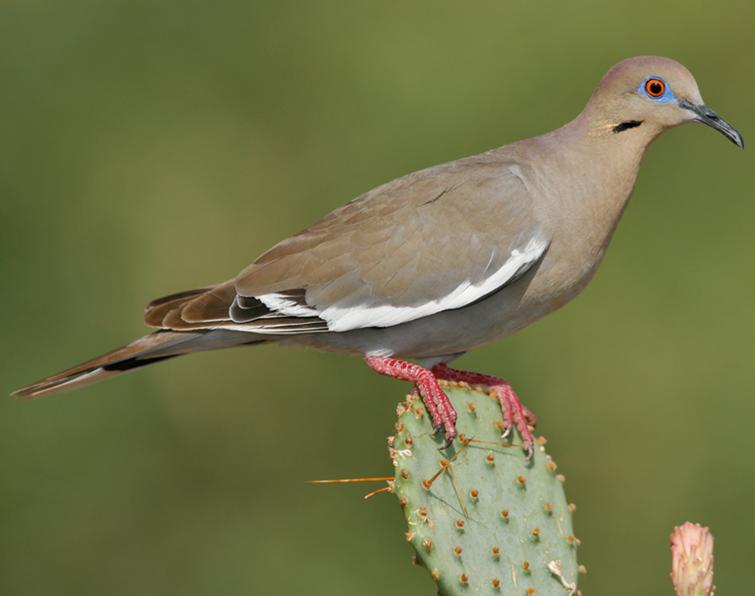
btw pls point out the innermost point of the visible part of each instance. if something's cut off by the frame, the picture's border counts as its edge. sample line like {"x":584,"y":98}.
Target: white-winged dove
{"x":440,"y":261}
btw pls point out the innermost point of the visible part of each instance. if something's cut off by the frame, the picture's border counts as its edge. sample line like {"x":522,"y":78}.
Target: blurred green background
{"x":148,"y":147}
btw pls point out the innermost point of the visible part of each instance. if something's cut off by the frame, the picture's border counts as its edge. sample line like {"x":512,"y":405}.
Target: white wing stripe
{"x":287,"y":306}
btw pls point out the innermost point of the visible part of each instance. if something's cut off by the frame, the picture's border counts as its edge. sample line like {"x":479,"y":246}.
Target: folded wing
{"x":438,"y":239}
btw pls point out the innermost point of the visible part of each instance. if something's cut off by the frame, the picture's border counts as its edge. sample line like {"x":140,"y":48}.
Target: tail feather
{"x":152,"y":348}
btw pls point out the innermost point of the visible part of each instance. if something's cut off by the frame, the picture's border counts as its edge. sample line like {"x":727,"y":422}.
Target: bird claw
{"x":449,"y":429}
{"x":514,"y":412}
{"x":528,"y":443}
{"x":442,"y":413}
{"x":515,"y":415}
{"x":441,"y":410}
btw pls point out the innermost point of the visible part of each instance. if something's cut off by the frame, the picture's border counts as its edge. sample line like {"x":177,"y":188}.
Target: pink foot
{"x":515,"y":414}
{"x":441,"y":410}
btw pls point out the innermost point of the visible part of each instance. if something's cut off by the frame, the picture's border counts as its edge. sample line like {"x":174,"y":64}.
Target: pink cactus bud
{"x":692,"y":560}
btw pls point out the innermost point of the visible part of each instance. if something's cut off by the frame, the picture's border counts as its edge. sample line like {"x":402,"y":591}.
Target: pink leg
{"x":441,"y":410}
{"x":515,"y":414}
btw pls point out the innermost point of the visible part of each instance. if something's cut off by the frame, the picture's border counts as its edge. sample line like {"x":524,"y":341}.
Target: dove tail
{"x":152,"y":348}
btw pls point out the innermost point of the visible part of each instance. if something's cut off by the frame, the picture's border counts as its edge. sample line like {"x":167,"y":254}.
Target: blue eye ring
{"x":655,"y":88}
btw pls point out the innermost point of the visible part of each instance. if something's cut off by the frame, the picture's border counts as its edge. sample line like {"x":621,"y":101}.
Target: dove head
{"x":652,"y":94}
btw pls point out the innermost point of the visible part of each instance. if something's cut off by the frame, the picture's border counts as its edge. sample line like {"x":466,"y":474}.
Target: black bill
{"x":709,"y":117}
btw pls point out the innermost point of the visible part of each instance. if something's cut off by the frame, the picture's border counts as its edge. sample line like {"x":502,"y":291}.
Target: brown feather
{"x":95,"y":369}
{"x":213,"y":305}
{"x":177,"y":296}
{"x":155,"y":311}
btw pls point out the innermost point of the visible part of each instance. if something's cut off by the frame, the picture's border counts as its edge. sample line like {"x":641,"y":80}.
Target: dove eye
{"x":655,"y":88}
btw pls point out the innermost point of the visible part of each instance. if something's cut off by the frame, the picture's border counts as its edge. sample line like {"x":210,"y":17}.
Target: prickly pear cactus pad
{"x":482,"y":518}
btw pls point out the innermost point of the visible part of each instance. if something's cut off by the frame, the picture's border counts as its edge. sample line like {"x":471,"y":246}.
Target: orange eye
{"x":655,"y":87}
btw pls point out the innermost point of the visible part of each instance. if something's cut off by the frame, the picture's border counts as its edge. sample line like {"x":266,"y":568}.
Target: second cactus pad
{"x":482,"y":518}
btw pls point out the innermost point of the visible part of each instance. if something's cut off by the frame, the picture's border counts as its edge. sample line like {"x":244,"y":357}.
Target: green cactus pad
{"x":481,"y":517}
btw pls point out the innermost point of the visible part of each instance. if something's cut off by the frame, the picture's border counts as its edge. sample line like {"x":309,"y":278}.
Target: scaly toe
{"x":450,"y":434}
{"x":528,"y":441}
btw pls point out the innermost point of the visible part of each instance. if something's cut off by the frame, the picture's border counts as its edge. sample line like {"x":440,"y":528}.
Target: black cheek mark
{"x":626,"y":125}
